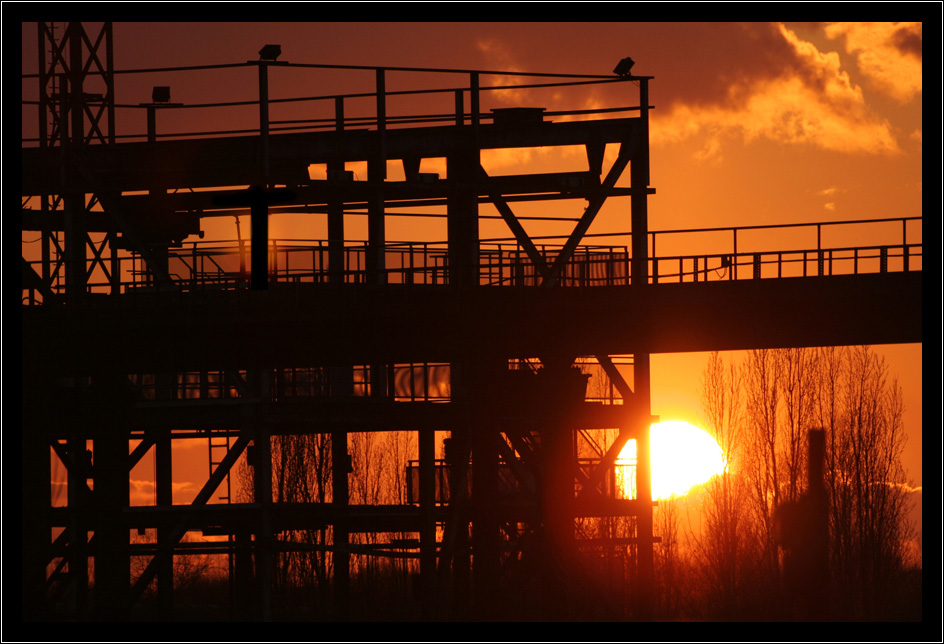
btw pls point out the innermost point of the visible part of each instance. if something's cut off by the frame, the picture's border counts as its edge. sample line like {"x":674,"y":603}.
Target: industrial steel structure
{"x":137,"y":334}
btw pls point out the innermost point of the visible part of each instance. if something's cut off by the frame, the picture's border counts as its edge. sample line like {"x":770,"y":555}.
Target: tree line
{"x":761,"y":410}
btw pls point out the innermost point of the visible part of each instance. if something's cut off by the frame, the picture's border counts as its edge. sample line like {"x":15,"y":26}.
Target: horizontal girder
{"x":233,"y":161}
{"x":306,"y":324}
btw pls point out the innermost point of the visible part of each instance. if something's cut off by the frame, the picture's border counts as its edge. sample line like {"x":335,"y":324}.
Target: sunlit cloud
{"x":142,"y":491}
{"x":500,"y":56}
{"x":887,"y":53}
{"x":814,"y":104}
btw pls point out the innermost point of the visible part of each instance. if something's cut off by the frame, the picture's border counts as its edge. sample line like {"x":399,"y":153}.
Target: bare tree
{"x":796,"y":375}
{"x":862,"y":413}
{"x":724,"y":547}
{"x":301,"y":473}
{"x":761,"y":464}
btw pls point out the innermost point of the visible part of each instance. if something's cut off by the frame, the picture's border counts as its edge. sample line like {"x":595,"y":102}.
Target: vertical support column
{"x":259,"y":209}
{"x":486,"y":528}
{"x":244,"y":604}
{"x":163,"y":482}
{"x":427,"y":458}
{"x":462,"y":222}
{"x":77,"y":502}
{"x":259,"y":245}
{"x":35,"y":516}
{"x":456,"y":534}
{"x":376,"y":175}
{"x":74,"y":224}
{"x":644,"y":564}
{"x":340,"y":469}
{"x":112,"y":551}
{"x":262,"y":461}
{"x":159,"y":254}
{"x":560,"y":388}
{"x":639,"y":182}
{"x":336,"y":210}
{"x":639,"y":179}
{"x":263,"y":124}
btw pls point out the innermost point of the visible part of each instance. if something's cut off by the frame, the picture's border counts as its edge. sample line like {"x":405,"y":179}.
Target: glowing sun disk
{"x":682,"y":456}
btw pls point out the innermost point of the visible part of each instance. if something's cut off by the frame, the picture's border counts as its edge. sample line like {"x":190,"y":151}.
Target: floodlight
{"x":160,"y":95}
{"x":270,"y":52}
{"x":623,"y":67}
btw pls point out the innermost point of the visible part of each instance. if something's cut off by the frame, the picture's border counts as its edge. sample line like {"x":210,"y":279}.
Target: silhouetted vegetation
{"x":760,"y":412}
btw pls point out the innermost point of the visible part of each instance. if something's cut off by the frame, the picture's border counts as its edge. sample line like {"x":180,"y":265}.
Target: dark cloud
{"x":907,"y":39}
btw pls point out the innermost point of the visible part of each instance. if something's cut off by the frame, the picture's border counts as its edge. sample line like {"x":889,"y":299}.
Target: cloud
{"x":809,"y":101}
{"x":887,"y":53}
{"x":142,"y":491}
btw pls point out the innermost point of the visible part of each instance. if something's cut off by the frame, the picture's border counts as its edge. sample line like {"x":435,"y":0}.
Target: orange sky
{"x":758,"y":123}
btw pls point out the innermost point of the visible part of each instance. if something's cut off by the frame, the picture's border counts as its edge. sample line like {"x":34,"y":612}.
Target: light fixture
{"x":270,"y":52}
{"x":622,"y":67}
{"x":160,"y":95}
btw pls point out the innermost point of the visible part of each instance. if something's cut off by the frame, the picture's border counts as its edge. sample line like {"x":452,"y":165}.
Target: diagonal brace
{"x":181,"y":528}
{"x":588,"y":216}
{"x":615,"y":377}
{"x":516,"y":228}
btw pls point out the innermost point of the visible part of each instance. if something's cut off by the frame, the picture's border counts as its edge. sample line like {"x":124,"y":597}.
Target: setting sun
{"x":682,"y":456}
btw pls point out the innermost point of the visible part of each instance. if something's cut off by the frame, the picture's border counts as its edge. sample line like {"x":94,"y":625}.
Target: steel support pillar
{"x":35,"y":516}
{"x":245,"y":586}
{"x":644,"y":540}
{"x":110,"y":454}
{"x":559,"y":388}
{"x":340,"y":470}
{"x":336,"y":210}
{"x":480,"y":377}
{"x":163,"y":483}
{"x":375,"y":262}
{"x":264,"y":559}
{"x":463,"y":169}
{"x":639,"y":180}
{"x":77,"y":502}
{"x":428,"y":559}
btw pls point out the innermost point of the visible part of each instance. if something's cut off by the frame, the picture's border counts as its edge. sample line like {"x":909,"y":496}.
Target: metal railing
{"x":735,"y":258}
{"x":224,"y":265}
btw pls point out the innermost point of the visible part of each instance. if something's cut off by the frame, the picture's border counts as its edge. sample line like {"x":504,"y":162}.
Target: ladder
{"x":219,"y":446}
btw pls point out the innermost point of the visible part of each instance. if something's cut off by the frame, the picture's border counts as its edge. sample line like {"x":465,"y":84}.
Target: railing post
{"x":904,"y":254}
{"x":460,"y":108}
{"x":695,"y":269}
{"x":820,"y":261}
{"x":193,"y":266}
{"x":756,"y":266}
{"x":883,"y":260}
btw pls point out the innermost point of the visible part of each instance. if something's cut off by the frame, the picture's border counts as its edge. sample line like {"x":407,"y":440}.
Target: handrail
{"x":215,"y":265}
{"x":379,"y":97}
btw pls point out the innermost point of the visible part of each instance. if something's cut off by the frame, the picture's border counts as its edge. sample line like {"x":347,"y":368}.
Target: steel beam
{"x":233,"y":161}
